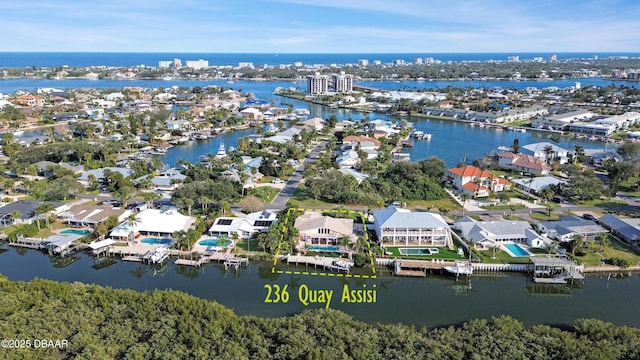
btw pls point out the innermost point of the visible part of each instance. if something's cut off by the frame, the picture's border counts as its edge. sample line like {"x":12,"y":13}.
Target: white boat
{"x":167,"y":78}
{"x":461,"y":268}
{"x":418,"y":134}
{"x":222,"y":153}
{"x":159,"y":255}
{"x":426,"y":136}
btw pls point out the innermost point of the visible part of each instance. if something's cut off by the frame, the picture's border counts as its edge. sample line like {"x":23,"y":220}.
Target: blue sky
{"x":321,"y":26}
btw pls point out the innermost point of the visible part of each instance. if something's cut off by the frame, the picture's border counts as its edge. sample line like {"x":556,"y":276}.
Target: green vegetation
{"x":443,"y":253}
{"x":103,"y":323}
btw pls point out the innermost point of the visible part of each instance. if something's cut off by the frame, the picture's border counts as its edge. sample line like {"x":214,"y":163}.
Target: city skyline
{"x":314,"y":26}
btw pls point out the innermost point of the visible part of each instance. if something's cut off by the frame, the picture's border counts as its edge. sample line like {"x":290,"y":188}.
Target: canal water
{"x":434,"y":301}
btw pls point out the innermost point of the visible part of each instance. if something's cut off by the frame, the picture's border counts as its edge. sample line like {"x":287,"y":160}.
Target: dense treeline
{"x":102,"y":323}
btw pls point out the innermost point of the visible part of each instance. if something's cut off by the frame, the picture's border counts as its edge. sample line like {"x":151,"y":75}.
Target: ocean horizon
{"x":125,"y":59}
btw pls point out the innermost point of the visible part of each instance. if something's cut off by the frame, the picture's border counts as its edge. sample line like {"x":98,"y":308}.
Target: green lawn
{"x":301,"y":198}
{"x":543,"y":216}
{"x":443,"y":253}
{"x":502,"y":257}
{"x":447,"y":204}
{"x":265,"y":193}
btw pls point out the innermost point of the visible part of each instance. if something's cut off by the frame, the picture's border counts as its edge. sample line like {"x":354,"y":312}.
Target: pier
{"x":333,"y":264}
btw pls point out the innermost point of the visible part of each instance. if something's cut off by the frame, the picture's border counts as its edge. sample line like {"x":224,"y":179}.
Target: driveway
{"x":280,"y":201}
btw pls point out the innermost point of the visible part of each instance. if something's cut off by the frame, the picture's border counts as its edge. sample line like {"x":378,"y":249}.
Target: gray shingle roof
{"x":393,"y":217}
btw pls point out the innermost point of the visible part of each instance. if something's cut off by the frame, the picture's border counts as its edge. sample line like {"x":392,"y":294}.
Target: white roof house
{"x":397,"y":226}
{"x":317,"y":229}
{"x":486,"y":234}
{"x":154,"y":222}
{"x":538,"y":150}
{"x":243,"y":227}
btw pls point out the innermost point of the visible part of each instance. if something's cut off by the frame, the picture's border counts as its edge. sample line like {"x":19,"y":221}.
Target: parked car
{"x":589,"y":217}
{"x":277,"y":181}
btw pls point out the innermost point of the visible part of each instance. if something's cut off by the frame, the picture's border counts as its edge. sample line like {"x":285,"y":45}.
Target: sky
{"x":321,"y":26}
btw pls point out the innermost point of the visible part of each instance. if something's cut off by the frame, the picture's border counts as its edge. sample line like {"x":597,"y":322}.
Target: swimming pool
{"x":156,"y":241}
{"x":516,"y":250}
{"x":418,"y":251}
{"x":332,"y":248}
{"x":214,"y":242}
{"x":75,"y":231}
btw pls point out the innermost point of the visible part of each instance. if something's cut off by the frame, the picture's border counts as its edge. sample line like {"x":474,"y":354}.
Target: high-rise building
{"x":165,"y":64}
{"x":553,"y":57}
{"x":514,"y":58}
{"x":177,"y":63}
{"x":363,"y":62}
{"x":418,"y":61}
{"x":342,"y":83}
{"x":317,"y":84}
{"x":198,"y":64}
{"x":242,"y":65}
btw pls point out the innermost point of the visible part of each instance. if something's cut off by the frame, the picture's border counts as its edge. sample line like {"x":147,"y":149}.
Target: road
{"x":280,"y":201}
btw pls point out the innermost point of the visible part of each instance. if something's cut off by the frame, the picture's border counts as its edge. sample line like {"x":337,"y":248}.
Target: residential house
{"x":537,"y":184}
{"x":167,"y":180}
{"x":477,"y":182}
{"x":245,"y":227}
{"x":356,"y":174}
{"x":524,"y":163}
{"x":26,"y":210}
{"x":568,"y":226}
{"x":153,"y":222}
{"x":382,"y":128}
{"x":29,"y":100}
{"x":315,"y":123}
{"x":401,"y":227}
{"x":284,"y":137}
{"x":348,"y":159}
{"x":91,"y":215}
{"x":45,"y":168}
{"x":547,"y":151}
{"x":251,"y":114}
{"x":317,"y":229}
{"x":177,"y":124}
{"x":627,"y":229}
{"x":99,"y":173}
{"x":488,"y":234}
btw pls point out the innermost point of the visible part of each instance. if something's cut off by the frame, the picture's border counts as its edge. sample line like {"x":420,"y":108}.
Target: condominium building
{"x":317,"y":84}
{"x":165,"y":64}
{"x":342,"y":83}
{"x":177,"y":63}
{"x":197,"y":64}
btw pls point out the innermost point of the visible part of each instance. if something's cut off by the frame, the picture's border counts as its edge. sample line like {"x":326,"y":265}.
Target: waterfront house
{"x":245,"y":227}
{"x":397,"y":226}
{"x":560,"y":119}
{"x":284,"y":137}
{"x":91,"y":215}
{"x":317,"y":229}
{"x":523,"y":163}
{"x":153,"y":222}
{"x":568,"y":226}
{"x":539,"y":150}
{"x":477,"y":182}
{"x":488,"y":234}
{"x":26,"y":210}
{"x":177,"y":124}
{"x":626,"y":229}
{"x":251,"y":114}
{"x":46,"y":168}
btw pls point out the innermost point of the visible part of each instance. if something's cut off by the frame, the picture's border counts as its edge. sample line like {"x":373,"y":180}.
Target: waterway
{"x":434,"y":301}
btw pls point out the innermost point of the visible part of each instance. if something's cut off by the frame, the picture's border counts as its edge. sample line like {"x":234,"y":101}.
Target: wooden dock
{"x":134,"y":258}
{"x":410,"y":273}
{"x":29,"y":243}
{"x":324,"y":262}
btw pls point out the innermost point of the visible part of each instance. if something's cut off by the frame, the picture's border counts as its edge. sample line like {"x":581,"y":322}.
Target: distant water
{"x":78,"y":59}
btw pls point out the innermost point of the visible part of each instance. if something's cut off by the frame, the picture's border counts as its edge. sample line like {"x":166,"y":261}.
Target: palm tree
{"x":204,"y":202}
{"x":548,"y":152}
{"x":45,"y":208}
{"x":132,"y":221}
{"x":603,"y":240}
{"x":578,"y":153}
{"x":552,"y":247}
{"x":181,"y":237}
{"x":149,"y":196}
{"x":577,"y":241}
{"x":15,"y":215}
{"x":224,"y":206}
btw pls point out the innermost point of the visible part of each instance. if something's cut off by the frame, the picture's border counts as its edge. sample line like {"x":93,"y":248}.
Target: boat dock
{"x":29,"y":243}
{"x":227,"y":259}
{"x":413,"y":268}
{"x":333,"y":264}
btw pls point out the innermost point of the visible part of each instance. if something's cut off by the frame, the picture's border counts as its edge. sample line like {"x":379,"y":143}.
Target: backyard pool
{"x":156,"y":241}
{"x":214,"y":242}
{"x":75,"y":231}
{"x":516,"y":250}
{"x":418,"y":251}
{"x":331,"y":248}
